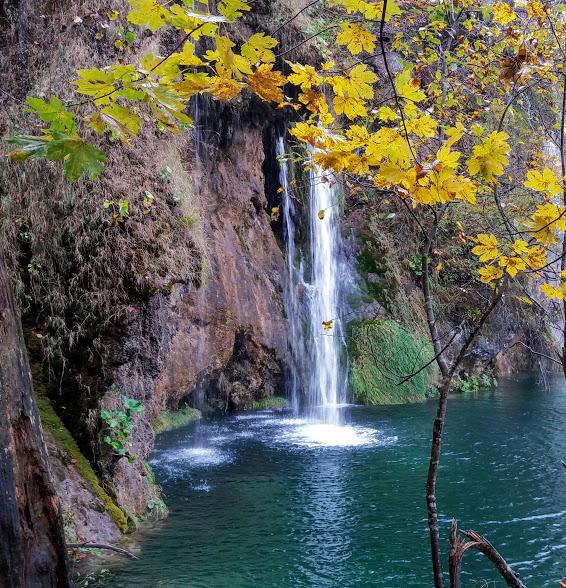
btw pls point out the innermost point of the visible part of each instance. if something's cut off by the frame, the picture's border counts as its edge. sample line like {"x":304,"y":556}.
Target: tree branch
{"x":89,"y":545}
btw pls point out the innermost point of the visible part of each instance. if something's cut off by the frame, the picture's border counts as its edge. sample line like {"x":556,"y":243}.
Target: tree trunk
{"x":32,"y":543}
{"x":432,"y":512}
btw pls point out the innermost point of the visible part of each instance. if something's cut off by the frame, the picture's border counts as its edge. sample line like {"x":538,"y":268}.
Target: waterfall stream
{"x":326,"y":388}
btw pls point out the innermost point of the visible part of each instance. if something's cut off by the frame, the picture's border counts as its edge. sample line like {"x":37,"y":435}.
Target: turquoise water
{"x":266,"y":500}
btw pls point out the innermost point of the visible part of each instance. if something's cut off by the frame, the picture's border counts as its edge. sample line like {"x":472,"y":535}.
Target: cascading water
{"x":327,"y":382}
{"x":292,"y":304}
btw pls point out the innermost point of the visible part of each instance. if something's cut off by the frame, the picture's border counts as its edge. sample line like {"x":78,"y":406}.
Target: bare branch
{"x":482,"y":544}
{"x":89,"y":545}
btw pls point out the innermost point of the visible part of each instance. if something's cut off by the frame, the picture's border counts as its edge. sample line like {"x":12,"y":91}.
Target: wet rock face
{"x":238,"y":310}
{"x":221,"y":343}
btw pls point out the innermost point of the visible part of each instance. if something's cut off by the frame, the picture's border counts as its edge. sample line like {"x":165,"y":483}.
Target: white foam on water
{"x":188,"y":457}
{"x":203,"y":487}
{"x":251,"y":417}
{"x":330,"y":435}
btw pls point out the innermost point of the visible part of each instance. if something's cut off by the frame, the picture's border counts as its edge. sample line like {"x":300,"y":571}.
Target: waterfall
{"x":326,"y":386}
{"x":291,"y":297}
{"x":327,"y":383}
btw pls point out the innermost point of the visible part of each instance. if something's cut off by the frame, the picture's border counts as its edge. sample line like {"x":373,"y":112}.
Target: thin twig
{"x":294,"y":17}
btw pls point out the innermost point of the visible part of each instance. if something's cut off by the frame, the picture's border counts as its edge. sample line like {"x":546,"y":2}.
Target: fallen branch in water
{"x":89,"y":545}
{"x":458,"y":548}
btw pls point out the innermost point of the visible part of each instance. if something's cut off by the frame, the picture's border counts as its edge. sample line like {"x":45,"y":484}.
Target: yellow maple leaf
{"x":424,"y":126}
{"x":544,"y":222}
{"x":223,"y":88}
{"x":408,"y":87}
{"x":335,"y":160}
{"x":231,"y":8}
{"x":503,"y":13}
{"x":448,"y":158}
{"x":389,"y":143}
{"x":304,"y":76}
{"x":267,"y":83}
{"x":351,"y":107}
{"x":313,"y":100}
{"x":386,"y":113}
{"x":512,"y":264}
{"x":198,"y":24}
{"x":374,"y":10}
{"x":356,"y":38}
{"x":148,"y":13}
{"x":392,"y":173}
{"x":489,"y":273}
{"x":542,"y":182}
{"x":257,"y":48}
{"x":187,"y":56}
{"x":552,"y":291}
{"x":489,"y":158}
{"x":536,"y":258}
{"x":487,"y":249}
{"x":535,"y":9}
{"x":358,"y":135}
{"x":455,"y":134}
{"x":520,"y":246}
{"x":308,"y":133}
{"x":359,"y":82}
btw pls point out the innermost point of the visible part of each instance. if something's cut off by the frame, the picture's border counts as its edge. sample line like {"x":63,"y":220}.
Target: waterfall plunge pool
{"x":265,"y":499}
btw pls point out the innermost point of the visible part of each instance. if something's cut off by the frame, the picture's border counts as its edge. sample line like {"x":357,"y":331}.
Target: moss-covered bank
{"x":270,"y":402}
{"x":169,"y":420}
{"x":53,"y":424}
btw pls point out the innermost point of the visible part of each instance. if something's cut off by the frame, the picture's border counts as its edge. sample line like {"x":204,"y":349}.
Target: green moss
{"x":175,"y":419}
{"x":382,"y":352}
{"x":65,"y":441}
{"x":269,"y":402}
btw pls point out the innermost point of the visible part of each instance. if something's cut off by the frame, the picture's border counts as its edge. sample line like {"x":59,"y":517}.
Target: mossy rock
{"x":169,"y":420}
{"x":269,"y":402}
{"x":65,"y":441}
{"x":399,"y":353}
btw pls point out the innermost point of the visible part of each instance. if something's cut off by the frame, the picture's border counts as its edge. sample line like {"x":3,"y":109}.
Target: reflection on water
{"x":269,"y":500}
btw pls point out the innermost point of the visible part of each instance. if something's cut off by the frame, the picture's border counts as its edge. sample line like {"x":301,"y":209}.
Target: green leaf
{"x":80,"y":157}
{"x":131,"y":94}
{"x":121,"y":121}
{"x":113,"y":14}
{"x":133,"y":404}
{"x":130,"y":37}
{"x":29,"y":146}
{"x":53,"y":112}
{"x":321,"y":214}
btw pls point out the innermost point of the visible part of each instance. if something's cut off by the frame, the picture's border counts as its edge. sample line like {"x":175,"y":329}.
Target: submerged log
{"x":32,"y":543}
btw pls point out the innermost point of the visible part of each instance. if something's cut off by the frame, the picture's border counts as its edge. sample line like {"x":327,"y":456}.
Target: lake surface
{"x":265,"y":499}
